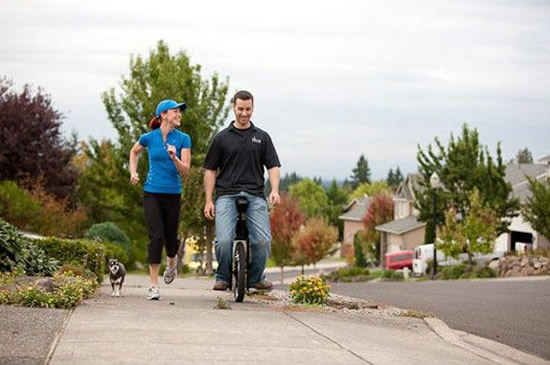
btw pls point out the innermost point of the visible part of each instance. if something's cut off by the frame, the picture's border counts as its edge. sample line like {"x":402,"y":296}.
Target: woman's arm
{"x":134,"y":157}
{"x":183,"y":164}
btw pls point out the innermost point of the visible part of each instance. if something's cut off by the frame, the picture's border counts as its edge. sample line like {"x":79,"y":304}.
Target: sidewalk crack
{"x":328,"y":338}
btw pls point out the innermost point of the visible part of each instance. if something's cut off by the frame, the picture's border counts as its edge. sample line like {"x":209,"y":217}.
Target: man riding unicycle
{"x":235,"y":167}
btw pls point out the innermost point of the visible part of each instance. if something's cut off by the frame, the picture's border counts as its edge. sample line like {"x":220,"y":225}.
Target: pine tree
{"x":462,"y":166}
{"x":361,"y":173}
{"x":524,"y":156}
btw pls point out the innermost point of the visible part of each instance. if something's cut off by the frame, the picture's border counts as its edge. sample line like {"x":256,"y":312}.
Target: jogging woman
{"x":169,"y":153}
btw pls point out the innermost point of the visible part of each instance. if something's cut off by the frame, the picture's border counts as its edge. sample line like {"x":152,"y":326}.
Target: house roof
{"x":545,"y":159}
{"x":355,"y":211}
{"x":517,"y":175}
{"x":400,"y":226}
{"x":407,"y":186}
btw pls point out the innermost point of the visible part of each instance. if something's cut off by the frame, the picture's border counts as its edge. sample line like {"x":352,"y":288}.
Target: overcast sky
{"x":331,"y":80}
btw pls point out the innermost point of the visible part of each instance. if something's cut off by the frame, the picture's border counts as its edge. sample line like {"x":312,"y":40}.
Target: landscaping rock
{"x":511,"y":266}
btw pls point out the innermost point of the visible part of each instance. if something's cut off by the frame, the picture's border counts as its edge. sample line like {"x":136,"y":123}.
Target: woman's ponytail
{"x":154,"y":123}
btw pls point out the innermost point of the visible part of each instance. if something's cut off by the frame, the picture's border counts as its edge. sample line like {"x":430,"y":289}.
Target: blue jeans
{"x":258,"y":230}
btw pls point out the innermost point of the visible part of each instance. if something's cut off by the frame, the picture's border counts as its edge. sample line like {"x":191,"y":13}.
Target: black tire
{"x":239,"y":274}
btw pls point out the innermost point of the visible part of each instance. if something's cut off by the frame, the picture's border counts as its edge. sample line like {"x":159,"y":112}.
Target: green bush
{"x":360,"y":260}
{"x":464,"y":271}
{"x":451,"y":272}
{"x":68,"y":292}
{"x":20,"y":254}
{"x":109,"y":232}
{"x":18,"y":206}
{"x":392,"y":275}
{"x":348,"y":274}
{"x":309,"y":290}
{"x":90,"y":254}
{"x":115,"y":251}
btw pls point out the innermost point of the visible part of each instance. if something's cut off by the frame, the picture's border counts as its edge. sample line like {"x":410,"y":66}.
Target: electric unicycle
{"x":241,"y":253}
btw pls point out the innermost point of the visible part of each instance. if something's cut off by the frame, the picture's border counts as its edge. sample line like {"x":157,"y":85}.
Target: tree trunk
{"x":209,"y":239}
{"x":282,"y":275}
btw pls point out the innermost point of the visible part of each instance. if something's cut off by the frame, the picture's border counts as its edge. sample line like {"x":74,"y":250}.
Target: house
{"x":405,"y":232}
{"x":353,"y":221}
{"x":521,"y":235}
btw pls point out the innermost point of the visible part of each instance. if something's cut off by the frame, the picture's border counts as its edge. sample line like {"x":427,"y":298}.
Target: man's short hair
{"x":243,"y":95}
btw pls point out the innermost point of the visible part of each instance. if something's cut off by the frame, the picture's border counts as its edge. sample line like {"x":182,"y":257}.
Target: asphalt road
{"x":513,"y":312}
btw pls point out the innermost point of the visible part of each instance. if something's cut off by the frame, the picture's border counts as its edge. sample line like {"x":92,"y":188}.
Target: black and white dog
{"x":117,"y":272}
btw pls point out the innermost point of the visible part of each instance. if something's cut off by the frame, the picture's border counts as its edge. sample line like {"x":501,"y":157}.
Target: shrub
{"x":360,"y":259}
{"x":309,"y":290}
{"x":18,"y":206}
{"x":108,"y":231}
{"x":111,"y":235}
{"x":464,"y":271}
{"x":89,"y":254}
{"x":38,"y":211}
{"x":392,"y":275}
{"x":348,"y":274}
{"x":68,"y":292}
{"x":115,"y":251}
{"x":18,"y":253}
{"x":451,"y":272}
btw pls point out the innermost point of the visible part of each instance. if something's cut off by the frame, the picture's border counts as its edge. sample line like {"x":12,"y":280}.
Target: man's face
{"x":243,"y":112}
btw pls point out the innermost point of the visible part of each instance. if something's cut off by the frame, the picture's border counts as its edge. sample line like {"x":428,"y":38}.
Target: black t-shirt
{"x":240,"y":156}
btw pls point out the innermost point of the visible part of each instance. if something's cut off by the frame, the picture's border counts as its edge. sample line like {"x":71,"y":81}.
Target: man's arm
{"x":274,"y":177}
{"x":209,"y":183}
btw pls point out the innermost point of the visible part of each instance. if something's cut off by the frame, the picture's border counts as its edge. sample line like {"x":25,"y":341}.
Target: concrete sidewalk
{"x":184,"y":328}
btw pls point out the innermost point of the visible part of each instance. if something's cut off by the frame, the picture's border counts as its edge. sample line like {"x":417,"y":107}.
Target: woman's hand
{"x":134,"y":178}
{"x":171,"y":151}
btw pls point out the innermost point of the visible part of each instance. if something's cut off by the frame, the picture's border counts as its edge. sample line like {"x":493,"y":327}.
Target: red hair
{"x":154,"y":123}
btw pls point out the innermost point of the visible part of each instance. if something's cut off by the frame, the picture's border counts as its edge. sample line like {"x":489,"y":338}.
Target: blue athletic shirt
{"x":163,"y":177}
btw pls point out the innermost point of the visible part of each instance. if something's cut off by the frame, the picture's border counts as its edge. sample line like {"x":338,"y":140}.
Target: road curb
{"x":487,"y":349}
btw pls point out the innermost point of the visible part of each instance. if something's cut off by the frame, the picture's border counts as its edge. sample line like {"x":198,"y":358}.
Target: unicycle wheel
{"x":239,"y":271}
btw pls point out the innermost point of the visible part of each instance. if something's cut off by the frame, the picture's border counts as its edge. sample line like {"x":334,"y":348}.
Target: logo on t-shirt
{"x":256,"y":140}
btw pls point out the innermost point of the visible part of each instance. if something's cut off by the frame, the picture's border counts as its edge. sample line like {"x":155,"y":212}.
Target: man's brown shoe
{"x":221,"y":285}
{"x":263,"y":285}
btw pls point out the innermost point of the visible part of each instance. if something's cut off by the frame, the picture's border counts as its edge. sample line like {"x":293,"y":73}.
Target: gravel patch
{"x":280,"y":300}
{"x":27,"y":334}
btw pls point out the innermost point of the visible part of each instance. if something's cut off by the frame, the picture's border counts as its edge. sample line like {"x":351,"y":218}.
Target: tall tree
{"x":462,"y":166}
{"x":361,"y":173}
{"x":377,"y":187}
{"x":311,"y":197}
{"x":537,"y":209}
{"x":285,"y":219}
{"x":31,"y":140}
{"x":394,"y":178}
{"x":524,"y":156}
{"x":337,"y":200}
{"x":316,"y":241}
{"x":474,"y":233}
{"x":161,"y":75}
{"x":380,"y":211}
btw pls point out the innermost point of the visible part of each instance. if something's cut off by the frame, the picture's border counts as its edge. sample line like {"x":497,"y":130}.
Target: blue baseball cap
{"x":169,"y":104}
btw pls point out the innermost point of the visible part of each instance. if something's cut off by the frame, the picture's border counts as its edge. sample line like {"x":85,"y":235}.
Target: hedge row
{"x":90,"y":254}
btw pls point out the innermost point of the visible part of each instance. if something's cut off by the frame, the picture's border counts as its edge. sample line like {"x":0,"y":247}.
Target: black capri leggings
{"x":162,"y":215}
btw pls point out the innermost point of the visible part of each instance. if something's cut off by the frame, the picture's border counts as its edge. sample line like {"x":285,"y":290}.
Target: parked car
{"x":399,"y":260}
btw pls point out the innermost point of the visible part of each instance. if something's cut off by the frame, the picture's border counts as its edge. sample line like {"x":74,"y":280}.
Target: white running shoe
{"x":153,"y":293}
